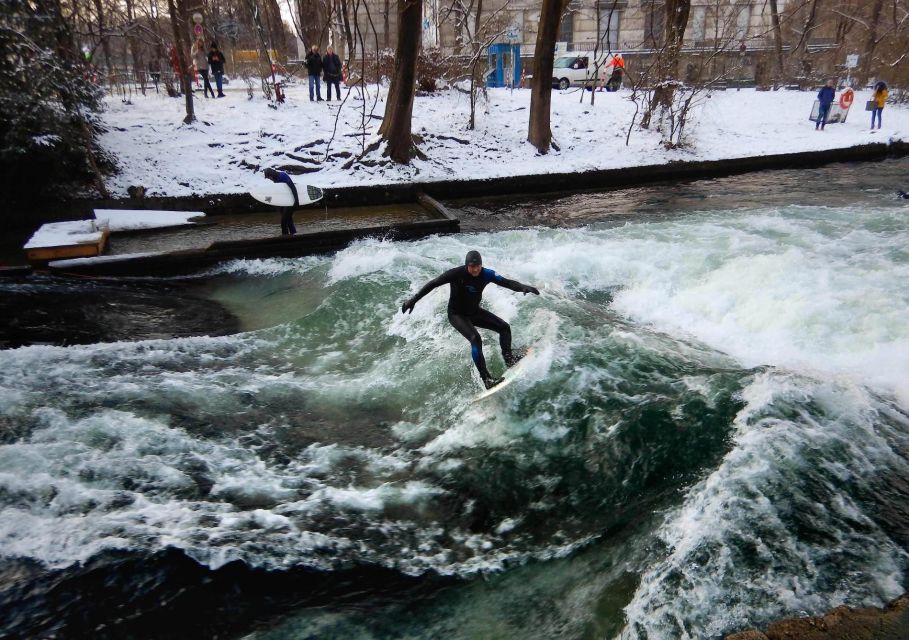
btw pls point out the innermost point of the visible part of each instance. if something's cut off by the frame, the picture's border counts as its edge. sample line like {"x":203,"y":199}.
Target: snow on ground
{"x":132,"y":220}
{"x":235,"y":136}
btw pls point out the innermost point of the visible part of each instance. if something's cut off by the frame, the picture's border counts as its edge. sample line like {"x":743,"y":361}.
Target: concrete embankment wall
{"x":603,"y":179}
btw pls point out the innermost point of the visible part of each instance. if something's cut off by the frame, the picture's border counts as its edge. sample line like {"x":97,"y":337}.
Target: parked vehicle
{"x":581,"y":69}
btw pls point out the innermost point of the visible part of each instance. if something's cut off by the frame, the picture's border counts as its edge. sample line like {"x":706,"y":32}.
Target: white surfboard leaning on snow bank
{"x":278,"y":194}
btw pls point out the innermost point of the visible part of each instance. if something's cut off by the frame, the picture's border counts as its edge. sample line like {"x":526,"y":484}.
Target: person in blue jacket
{"x":287,"y":213}
{"x":825,"y":98}
{"x":464,"y":311}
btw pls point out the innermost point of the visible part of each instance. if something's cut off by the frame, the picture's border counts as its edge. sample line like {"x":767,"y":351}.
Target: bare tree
{"x":539,"y":133}
{"x":396,"y":124}
{"x":777,"y":40}
{"x":476,"y":32}
{"x":866,"y":62}
{"x":667,"y":60}
{"x":181,"y":43}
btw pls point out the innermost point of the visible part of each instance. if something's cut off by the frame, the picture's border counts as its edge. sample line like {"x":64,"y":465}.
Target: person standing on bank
{"x":880,"y":99}
{"x":314,"y":68}
{"x":331,"y":69}
{"x":287,"y":213}
{"x":216,"y":66}
{"x":464,"y":312}
{"x":825,"y":99}
{"x":200,"y":58}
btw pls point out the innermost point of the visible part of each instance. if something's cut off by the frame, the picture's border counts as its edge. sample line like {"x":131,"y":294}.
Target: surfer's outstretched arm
{"x":514,"y":285}
{"x":445,"y":278}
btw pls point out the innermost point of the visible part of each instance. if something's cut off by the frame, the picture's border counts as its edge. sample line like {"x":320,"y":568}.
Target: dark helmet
{"x":473,"y":257}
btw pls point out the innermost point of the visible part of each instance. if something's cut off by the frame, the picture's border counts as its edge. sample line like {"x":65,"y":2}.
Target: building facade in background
{"x":732,"y":39}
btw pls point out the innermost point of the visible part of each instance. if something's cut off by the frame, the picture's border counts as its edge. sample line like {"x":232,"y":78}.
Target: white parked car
{"x":580,"y":69}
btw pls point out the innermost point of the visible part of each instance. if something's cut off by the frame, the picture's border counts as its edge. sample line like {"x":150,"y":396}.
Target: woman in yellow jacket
{"x":880,"y":99}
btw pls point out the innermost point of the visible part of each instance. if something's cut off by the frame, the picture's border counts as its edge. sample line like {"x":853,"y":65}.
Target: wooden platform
{"x":62,"y":240}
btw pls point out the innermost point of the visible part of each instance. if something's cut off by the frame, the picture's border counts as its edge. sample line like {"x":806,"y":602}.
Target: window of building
{"x":654,"y":22}
{"x":743,"y":22}
{"x":566,"y":28}
{"x":610,"y":20}
{"x":697,"y":25}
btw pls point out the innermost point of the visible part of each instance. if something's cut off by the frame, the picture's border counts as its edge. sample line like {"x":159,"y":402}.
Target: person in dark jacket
{"x":216,"y":66}
{"x":825,"y":98}
{"x":464,"y":312}
{"x":331,"y":69}
{"x":313,"y":63}
{"x":287,"y":213}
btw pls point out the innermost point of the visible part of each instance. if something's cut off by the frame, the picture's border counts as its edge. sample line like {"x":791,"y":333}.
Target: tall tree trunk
{"x":866,"y":63}
{"x":677,"y":12}
{"x":396,"y":124}
{"x":351,"y":49}
{"x":133,"y":45}
{"x":387,"y":23}
{"x":105,"y":45}
{"x":800,"y":50}
{"x":475,"y":65}
{"x":539,"y":133}
{"x":265,"y":67}
{"x":181,"y":42}
{"x":777,"y":41}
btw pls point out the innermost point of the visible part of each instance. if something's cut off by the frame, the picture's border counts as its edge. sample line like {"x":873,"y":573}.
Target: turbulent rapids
{"x":713,"y":431}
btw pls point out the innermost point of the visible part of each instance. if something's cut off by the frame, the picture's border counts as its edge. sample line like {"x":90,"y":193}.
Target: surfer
{"x":903,"y":195}
{"x":464,"y":312}
{"x":287,"y":213}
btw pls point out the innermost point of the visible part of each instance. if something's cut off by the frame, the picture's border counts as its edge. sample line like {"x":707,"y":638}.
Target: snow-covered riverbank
{"x":235,"y":136}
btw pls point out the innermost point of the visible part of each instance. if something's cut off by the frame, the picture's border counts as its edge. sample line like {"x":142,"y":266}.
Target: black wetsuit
{"x":287,"y":213}
{"x":465,"y":314}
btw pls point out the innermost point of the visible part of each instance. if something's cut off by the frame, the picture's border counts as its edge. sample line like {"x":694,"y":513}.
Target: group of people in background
{"x":205,"y":62}
{"x":875,"y":105}
{"x":211,"y":60}
{"x":329,"y":67}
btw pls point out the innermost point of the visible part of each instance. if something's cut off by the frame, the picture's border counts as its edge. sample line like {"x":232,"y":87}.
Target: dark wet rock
{"x":60,"y":311}
{"x":841,"y":623}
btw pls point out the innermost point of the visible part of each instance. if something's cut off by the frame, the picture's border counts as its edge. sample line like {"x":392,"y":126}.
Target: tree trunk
{"x":800,"y":51}
{"x":777,"y":41}
{"x":396,"y":124}
{"x":865,"y":66}
{"x":387,"y":24}
{"x":105,"y":46}
{"x":539,"y":133}
{"x":677,"y":12}
{"x":265,"y":67}
{"x":475,"y":65}
{"x":180,"y":29}
{"x":344,"y":10}
{"x":133,"y":45}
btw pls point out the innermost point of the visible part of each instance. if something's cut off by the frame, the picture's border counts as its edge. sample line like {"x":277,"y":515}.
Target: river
{"x":712,"y":431}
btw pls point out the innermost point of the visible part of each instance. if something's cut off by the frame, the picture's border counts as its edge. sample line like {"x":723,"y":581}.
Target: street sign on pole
{"x":852,"y":61}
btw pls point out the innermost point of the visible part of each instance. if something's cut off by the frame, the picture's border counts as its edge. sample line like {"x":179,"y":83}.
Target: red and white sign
{"x":846,"y":98}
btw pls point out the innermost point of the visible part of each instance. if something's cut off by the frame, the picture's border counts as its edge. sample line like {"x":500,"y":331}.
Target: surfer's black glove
{"x":526,"y":288}
{"x":408,"y":305}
